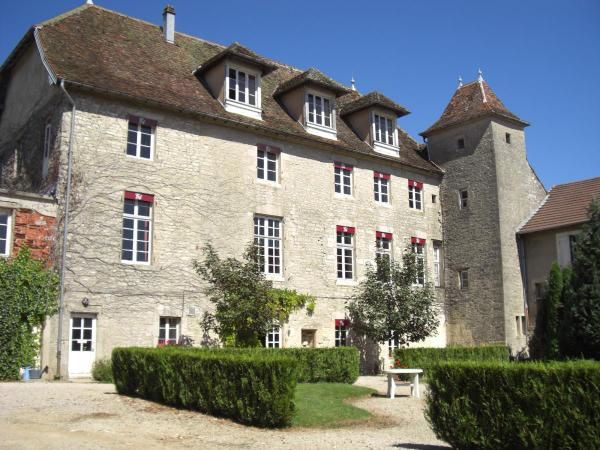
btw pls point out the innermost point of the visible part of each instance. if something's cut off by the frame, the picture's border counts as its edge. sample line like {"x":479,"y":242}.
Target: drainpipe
{"x":61,"y":302}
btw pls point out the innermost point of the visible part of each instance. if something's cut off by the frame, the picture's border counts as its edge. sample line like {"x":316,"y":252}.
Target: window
{"x":437,"y":264}
{"x":463,"y":278}
{"x":381,"y":187}
{"x":242,"y":87}
{"x":572,"y":243}
{"x":273,"y":337}
{"x":5,"y":229}
{"x":137,"y":227}
{"x":463,"y":199}
{"x":384,"y":130}
{"x":267,"y":238}
{"x":539,"y":291}
{"x":521,"y":325}
{"x":343,"y":179}
{"x":507,"y":138}
{"x":140,"y":137}
{"x":393,"y":344}
{"x":383,"y":245}
{"x":341,"y":332}
{"x":319,"y":111}
{"x":415,"y":194}
{"x":266,"y":162}
{"x":460,"y":143}
{"x":345,"y":252}
{"x":47,"y":148}
{"x":418,"y":248}
{"x":168,"y":331}
{"x":433,"y":199}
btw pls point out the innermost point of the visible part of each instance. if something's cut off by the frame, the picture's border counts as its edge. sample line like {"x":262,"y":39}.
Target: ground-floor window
{"x":168,"y":331}
{"x":341,"y":332}
{"x":273,"y":337}
{"x":392,"y":344}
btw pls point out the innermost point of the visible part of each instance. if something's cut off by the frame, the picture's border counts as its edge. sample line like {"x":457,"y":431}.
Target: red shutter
{"x":416,"y":184}
{"x":416,"y":240}
{"x":385,"y":176}
{"x":342,"y":323}
{"x":134,"y":119}
{"x":148,"y":122}
{"x":268,"y":148}
{"x":344,"y":229}
{"x":381,"y":234}
{"x":139,"y":196}
{"x":343,"y":166}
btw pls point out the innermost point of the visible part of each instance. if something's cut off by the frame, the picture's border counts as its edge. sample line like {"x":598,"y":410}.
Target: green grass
{"x":322,"y":405}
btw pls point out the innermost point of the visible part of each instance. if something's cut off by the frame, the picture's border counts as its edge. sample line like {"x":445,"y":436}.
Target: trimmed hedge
{"x":256,"y":389}
{"x":486,"y":405}
{"x":102,"y":371}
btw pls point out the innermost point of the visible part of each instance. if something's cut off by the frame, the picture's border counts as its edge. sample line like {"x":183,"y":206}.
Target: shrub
{"x":102,"y":371}
{"x":490,"y":405}
{"x":251,"y":388}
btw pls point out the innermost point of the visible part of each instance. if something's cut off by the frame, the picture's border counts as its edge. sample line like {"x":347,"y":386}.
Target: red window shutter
{"x":384,"y":176}
{"x":344,"y":229}
{"x":268,"y":148}
{"x":342,"y":323}
{"x":343,"y":166}
{"x":381,"y":234}
{"x":134,"y":119}
{"x":139,"y":196}
{"x":149,"y":123}
{"x":418,"y":241}
{"x":416,"y":184}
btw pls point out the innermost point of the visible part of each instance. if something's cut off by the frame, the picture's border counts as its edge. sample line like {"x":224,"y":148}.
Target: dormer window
{"x":243,"y":91}
{"x":385,"y":136}
{"x":320,"y":115}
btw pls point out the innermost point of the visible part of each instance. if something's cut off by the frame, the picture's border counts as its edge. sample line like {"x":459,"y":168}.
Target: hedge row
{"x":487,"y":405}
{"x":256,"y":389}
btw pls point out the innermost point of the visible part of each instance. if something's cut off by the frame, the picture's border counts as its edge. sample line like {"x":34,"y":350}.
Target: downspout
{"x":61,"y":304}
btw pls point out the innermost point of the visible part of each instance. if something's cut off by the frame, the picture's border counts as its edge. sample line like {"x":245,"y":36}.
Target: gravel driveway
{"x":53,"y":415}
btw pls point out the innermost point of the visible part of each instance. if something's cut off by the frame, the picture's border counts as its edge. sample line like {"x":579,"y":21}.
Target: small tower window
{"x":463,"y":198}
{"x":433,"y":198}
{"x":460,"y":143}
{"x":507,"y":137}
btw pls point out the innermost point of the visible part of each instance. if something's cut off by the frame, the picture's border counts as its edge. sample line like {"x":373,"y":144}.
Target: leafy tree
{"x":246,"y":304}
{"x":544,"y":344}
{"x":581,"y":322}
{"x":28,"y":294}
{"x":387,"y":304}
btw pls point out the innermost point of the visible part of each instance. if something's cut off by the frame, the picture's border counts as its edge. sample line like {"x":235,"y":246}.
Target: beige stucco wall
{"x":203,"y":177}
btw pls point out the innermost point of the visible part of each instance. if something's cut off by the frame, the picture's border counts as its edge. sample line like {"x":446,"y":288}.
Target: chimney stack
{"x":169,"y":24}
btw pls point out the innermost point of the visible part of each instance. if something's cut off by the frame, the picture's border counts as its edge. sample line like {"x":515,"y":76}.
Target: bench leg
{"x":416,"y":386}
{"x":391,"y":386}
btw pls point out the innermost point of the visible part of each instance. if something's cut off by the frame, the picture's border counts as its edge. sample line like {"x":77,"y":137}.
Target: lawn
{"x":323,"y":405}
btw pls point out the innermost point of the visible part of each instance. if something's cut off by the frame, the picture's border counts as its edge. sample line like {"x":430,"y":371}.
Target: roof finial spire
{"x":460,"y":81}
{"x":480,"y":75}
{"x":89,"y":2}
{"x":353,"y":81}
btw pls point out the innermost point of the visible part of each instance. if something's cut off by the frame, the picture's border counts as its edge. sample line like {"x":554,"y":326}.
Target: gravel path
{"x":54,"y":415}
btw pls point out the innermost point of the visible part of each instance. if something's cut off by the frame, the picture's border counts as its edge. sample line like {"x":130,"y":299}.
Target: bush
{"x":256,"y":389}
{"x":489,"y":405}
{"x":102,"y":371}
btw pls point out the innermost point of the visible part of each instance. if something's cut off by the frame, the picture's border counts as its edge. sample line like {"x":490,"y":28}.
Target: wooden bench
{"x":414,"y":387}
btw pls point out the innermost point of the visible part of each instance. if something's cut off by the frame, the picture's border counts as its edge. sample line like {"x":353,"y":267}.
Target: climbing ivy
{"x":28,"y":294}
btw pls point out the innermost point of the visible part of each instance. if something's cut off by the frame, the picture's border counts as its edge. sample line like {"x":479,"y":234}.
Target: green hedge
{"x":256,"y":389}
{"x":102,"y":371}
{"x":487,"y":405}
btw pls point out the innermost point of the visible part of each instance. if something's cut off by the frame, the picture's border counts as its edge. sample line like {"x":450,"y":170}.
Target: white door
{"x":82,"y":346}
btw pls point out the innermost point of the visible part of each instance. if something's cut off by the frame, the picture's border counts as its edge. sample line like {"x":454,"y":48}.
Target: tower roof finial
{"x":480,"y":75}
{"x":353,"y":81}
{"x":460,"y":81}
{"x":89,"y":2}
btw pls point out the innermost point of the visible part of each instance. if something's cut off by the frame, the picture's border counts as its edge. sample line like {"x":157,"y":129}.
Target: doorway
{"x":82,"y":345}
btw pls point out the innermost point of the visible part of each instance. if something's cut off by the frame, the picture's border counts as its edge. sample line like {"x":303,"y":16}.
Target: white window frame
{"x":46,"y":149}
{"x":393,"y":344}
{"x":8,"y":240}
{"x":341,"y":335}
{"x":437,"y":265}
{"x":379,"y":183}
{"x":463,"y":201}
{"x":136,"y":221}
{"x":170,"y":323}
{"x":313,"y":127}
{"x":238,"y":106}
{"x":415,"y":196}
{"x":269,"y":230}
{"x":273,"y":337}
{"x":383,"y":247}
{"x":380,"y":145}
{"x":342,"y":180}
{"x":463,"y":274}
{"x":265,"y":165}
{"x":344,"y":250}
{"x":419,"y":250}
{"x":138,"y":140}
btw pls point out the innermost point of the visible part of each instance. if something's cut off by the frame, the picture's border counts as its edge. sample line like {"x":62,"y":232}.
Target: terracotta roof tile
{"x":566,"y":204}
{"x":110,"y":52}
{"x":373,"y":99}
{"x":471,"y":101}
{"x":313,"y":76}
{"x":240,"y":52}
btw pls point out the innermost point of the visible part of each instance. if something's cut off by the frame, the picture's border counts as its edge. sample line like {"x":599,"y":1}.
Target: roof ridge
{"x":65,"y":14}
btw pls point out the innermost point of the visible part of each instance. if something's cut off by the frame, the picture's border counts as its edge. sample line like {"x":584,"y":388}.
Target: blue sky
{"x":542,"y":58}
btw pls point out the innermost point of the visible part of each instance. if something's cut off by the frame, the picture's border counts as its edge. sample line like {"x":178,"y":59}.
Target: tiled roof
{"x":565,"y":205}
{"x":108,"y":52}
{"x":313,"y":76}
{"x":373,"y":99}
{"x":242,"y":53}
{"x":469,"y":102}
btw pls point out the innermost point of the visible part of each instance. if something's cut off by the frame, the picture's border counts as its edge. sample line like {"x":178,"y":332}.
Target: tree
{"x":580,"y":334}
{"x":246,"y":304}
{"x":28,"y":294}
{"x":545,"y":340}
{"x":388,"y":305}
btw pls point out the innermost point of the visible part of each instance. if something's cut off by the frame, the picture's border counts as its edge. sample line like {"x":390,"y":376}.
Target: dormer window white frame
{"x":319,"y":113}
{"x":385,"y":133}
{"x":243,"y":91}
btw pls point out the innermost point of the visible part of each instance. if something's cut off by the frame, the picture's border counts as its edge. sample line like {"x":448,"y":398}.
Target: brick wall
{"x":36,"y":231}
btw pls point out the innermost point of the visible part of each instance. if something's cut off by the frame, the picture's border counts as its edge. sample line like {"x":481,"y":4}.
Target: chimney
{"x":169,"y":24}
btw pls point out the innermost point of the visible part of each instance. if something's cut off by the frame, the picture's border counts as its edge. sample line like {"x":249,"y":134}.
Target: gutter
{"x":38,"y":43}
